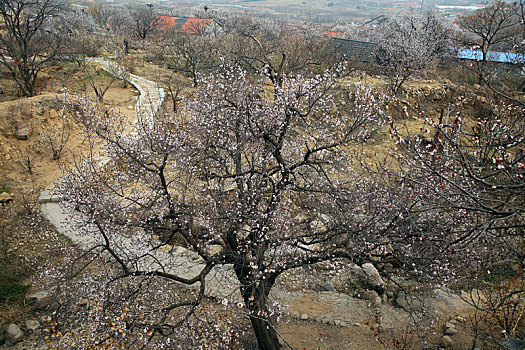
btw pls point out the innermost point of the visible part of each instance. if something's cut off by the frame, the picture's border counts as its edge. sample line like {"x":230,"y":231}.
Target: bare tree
{"x":56,"y":135}
{"x":26,"y":45}
{"x":84,"y":42}
{"x":144,"y":20}
{"x":306,"y":50}
{"x":175,"y":87}
{"x":491,"y":27}
{"x":263,"y":46}
{"x":101,"y":14}
{"x":118,"y":21}
{"x":191,"y":54}
{"x":82,"y":39}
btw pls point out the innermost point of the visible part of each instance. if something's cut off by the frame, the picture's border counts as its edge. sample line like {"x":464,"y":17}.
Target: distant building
{"x":492,"y":56}
{"x":459,"y":7}
{"x":334,"y":34}
{"x":187,"y":24}
{"x":354,"y":50}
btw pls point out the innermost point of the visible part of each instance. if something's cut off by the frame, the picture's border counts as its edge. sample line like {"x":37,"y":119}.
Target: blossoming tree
{"x":263,"y":175}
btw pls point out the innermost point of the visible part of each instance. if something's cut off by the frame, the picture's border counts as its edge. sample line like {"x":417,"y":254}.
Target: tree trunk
{"x":267,"y":337}
{"x":255,"y":298}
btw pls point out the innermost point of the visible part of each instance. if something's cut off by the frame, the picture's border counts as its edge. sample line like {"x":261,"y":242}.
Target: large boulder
{"x":439,"y":301}
{"x":361,"y":278}
{"x":374,"y":279}
{"x":12,"y":334}
{"x":5,"y":197}
{"x":38,"y":299}
{"x":22,"y":133}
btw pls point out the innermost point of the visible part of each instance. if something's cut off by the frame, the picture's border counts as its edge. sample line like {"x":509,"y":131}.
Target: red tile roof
{"x":183,"y":24}
{"x":334,"y":34}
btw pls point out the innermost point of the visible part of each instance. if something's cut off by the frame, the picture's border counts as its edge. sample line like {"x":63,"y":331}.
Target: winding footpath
{"x":151,"y":94}
{"x":327,"y":307}
{"x":180,"y":261}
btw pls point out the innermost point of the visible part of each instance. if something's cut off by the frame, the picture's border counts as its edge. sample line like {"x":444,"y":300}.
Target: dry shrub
{"x":499,"y":309}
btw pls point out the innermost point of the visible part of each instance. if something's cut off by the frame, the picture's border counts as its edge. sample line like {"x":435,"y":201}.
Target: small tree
{"x":175,"y":87}
{"x":26,"y":47}
{"x":409,"y":43}
{"x":191,"y":54}
{"x":143,"y":20}
{"x":493,"y":26}
{"x":55,"y":136}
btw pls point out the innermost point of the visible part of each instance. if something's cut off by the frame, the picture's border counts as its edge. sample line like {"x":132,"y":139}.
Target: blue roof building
{"x":492,"y":56}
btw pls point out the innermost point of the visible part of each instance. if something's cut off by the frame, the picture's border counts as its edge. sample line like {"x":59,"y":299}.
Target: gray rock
{"x":447,"y":341}
{"x":373,"y":275}
{"x":32,"y":324}
{"x":450,"y":324}
{"x":373,"y":298}
{"x":337,"y":322}
{"x":39,"y":299}
{"x":451,"y":331}
{"x":513,"y":343}
{"x":12,"y":334}
{"x":328,"y":286}
{"x":304,"y":317}
{"x":437,"y":301}
{"x":22,"y":133}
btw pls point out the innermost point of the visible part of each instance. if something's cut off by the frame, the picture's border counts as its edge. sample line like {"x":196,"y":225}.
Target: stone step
{"x":47,"y":196}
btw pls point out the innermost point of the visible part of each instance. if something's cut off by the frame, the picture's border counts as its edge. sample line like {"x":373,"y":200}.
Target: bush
{"x":11,"y":287}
